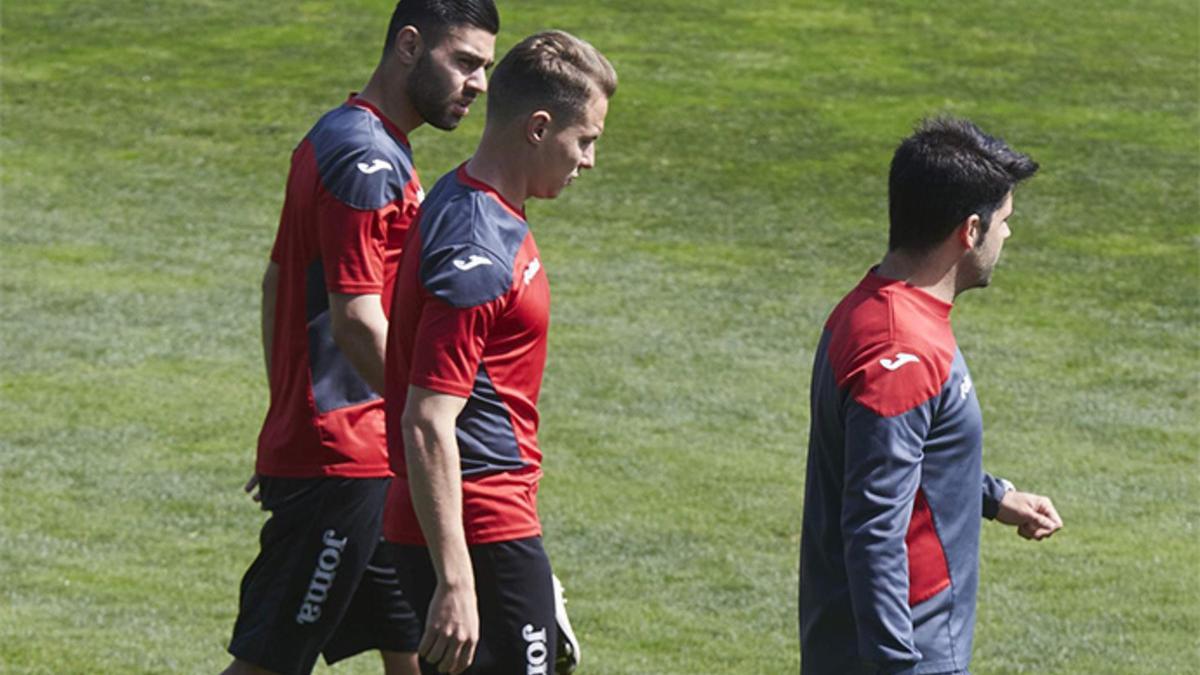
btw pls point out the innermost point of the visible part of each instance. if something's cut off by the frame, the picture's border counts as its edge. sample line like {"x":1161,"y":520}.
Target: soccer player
{"x":889,"y":556}
{"x":465,"y":353}
{"x":321,"y":582}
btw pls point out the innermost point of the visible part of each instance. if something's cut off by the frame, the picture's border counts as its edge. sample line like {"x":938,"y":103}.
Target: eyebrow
{"x":487,"y":63}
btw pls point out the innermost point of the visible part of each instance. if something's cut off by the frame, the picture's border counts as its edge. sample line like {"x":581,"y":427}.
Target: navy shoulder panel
{"x":469,"y":243}
{"x":360,"y":163}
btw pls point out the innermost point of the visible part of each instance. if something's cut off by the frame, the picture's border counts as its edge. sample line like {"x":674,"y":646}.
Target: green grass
{"x":740,"y":191}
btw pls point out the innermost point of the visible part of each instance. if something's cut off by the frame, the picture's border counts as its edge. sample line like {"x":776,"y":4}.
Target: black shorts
{"x":321,"y":582}
{"x":517,"y":631}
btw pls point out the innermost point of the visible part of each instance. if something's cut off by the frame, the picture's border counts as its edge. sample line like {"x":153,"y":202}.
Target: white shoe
{"x":568,"y":645}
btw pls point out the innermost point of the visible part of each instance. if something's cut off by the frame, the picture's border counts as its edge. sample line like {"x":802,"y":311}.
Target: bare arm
{"x":270,"y":289}
{"x":360,"y":331}
{"x":435,"y":481}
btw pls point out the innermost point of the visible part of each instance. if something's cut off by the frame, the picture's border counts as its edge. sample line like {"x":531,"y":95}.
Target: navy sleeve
{"x":364,"y":178}
{"x":465,"y":275}
{"x":359,"y":163}
{"x":883,"y":472}
{"x":993,"y":492}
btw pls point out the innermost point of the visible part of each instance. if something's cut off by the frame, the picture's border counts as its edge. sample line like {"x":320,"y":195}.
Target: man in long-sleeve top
{"x":889,"y":555}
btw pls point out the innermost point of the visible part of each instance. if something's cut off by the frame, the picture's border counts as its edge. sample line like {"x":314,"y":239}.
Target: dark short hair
{"x":946,"y":171}
{"x":553,"y":71}
{"x":432,"y":18}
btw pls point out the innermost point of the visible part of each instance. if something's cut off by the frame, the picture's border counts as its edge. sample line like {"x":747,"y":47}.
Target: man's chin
{"x":446,"y":123}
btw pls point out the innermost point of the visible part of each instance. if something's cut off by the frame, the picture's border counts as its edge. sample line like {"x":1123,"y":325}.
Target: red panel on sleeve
{"x":449,"y":345}
{"x":928,"y":574}
{"x":353,"y":246}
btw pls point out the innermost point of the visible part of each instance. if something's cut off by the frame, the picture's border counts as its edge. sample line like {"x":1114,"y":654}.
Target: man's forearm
{"x":883,"y":457}
{"x":435,"y":483}
{"x":435,"y":486}
{"x":364,"y":346}
{"x":994,"y":490}
{"x":360,"y":331}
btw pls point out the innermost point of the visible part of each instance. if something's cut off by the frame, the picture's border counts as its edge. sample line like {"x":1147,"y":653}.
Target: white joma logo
{"x":322,"y":578}
{"x":532,"y":269}
{"x":374,"y":166}
{"x":536,"y":651}
{"x":471,"y":262}
{"x":901,"y":359}
{"x":965,"y":388}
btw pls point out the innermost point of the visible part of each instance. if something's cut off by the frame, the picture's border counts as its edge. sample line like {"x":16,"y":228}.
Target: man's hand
{"x":256,"y":495}
{"x":1033,"y":515}
{"x":451,"y":629}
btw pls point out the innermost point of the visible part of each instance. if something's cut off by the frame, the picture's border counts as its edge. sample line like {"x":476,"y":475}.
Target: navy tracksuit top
{"x":889,"y":555}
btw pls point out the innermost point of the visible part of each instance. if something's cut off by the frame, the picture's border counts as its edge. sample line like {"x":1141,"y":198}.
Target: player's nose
{"x":477,"y":81}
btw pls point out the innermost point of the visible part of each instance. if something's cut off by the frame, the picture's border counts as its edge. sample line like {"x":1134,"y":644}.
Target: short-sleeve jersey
{"x":895,"y":489}
{"x":469,"y":319}
{"x":351,"y":195}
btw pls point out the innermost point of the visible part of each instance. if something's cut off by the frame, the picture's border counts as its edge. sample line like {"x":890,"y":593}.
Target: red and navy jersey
{"x":352,"y":193}
{"x":469,"y":319}
{"x":889,"y":554}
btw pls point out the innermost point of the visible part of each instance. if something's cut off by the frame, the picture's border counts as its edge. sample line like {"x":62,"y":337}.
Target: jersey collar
{"x":474,"y":183}
{"x":876,"y":282}
{"x":394,"y":130}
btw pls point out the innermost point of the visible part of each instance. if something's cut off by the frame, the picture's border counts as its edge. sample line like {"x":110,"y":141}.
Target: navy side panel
{"x":487,"y":441}
{"x":335,"y":382}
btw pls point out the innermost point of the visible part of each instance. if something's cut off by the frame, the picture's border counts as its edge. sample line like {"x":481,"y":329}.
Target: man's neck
{"x":387,"y":93}
{"x":930,"y":272}
{"x":500,"y":167}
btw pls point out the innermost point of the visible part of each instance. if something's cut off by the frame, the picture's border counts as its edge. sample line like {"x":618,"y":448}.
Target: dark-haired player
{"x":889,"y":556}
{"x":320,"y":582}
{"x":466,"y":349}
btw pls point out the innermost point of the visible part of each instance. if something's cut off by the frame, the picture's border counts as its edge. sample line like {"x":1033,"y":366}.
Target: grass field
{"x":740,"y":191}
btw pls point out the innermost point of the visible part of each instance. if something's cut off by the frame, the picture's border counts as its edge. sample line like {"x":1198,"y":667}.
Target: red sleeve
{"x":353,"y":243}
{"x":449,"y":345}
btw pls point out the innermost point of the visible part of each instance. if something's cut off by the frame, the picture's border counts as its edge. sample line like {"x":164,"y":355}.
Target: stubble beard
{"x":974,"y":274}
{"x":430,"y":96}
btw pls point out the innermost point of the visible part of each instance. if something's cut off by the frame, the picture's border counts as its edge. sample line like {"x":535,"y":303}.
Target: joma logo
{"x":322,"y":578}
{"x":536,"y":652}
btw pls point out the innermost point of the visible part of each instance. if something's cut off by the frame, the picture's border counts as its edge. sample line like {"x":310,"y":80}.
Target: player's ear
{"x":970,"y":232}
{"x":537,"y":127}
{"x":408,"y":45}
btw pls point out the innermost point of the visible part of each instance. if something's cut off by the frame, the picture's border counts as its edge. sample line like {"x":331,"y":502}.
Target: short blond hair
{"x":552,"y":70}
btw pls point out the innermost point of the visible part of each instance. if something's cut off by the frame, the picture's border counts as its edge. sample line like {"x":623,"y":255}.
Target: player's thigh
{"x":315,"y":548}
{"x":380,"y":615}
{"x":416,"y":576}
{"x":515,"y":597}
{"x":514,"y":586}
